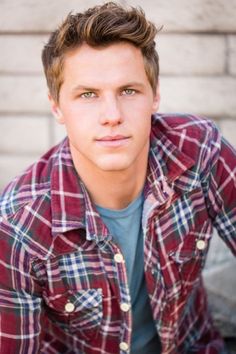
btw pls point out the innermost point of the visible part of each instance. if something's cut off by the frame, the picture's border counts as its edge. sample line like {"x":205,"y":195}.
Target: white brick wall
{"x":24,"y":132}
{"x":232,"y":55}
{"x":183,"y":54}
{"x":175,"y":15}
{"x":21,"y":53}
{"x":23,"y":94}
{"x":191,"y":15}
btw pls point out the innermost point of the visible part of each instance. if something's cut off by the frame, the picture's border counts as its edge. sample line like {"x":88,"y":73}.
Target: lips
{"x":112,"y":138}
{"x":113,"y":141}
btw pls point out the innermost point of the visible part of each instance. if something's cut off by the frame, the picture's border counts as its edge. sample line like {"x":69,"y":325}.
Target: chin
{"x":112,"y":166}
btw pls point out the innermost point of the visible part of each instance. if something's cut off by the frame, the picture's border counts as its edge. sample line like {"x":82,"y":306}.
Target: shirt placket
{"x":152,"y":207}
{"x":124,"y":299}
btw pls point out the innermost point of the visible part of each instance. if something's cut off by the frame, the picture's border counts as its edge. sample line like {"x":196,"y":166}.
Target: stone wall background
{"x":197,"y":48}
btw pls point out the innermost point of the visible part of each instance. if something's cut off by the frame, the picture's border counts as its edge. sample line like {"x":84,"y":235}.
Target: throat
{"x":116,"y":194}
{"x":116,"y":190}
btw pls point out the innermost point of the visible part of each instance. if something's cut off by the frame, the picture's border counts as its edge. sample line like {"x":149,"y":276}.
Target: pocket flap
{"x":86,"y":299}
{"x":185,"y":250}
{"x":82,"y":300}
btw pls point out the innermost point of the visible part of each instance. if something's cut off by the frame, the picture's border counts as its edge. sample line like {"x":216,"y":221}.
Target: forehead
{"x":120,"y":49}
{"x":110,"y":62}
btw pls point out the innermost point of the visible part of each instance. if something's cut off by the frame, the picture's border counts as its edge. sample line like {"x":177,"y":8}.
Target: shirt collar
{"x":166,"y":158}
{"x":167,"y":163}
{"x":71,"y":205}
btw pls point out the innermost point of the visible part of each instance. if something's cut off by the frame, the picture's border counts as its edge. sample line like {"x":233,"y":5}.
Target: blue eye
{"x":88,"y":95}
{"x":128,"y":92}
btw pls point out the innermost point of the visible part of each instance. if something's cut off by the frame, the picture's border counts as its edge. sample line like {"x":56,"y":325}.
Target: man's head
{"x":102,"y":72}
{"x":100,"y":26}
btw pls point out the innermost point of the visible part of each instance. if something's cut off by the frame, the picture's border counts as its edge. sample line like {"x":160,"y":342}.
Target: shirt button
{"x":119,"y":258}
{"x":69,"y":307}
{"x":201,"y":244}
{"x":124,"y":346}
{"x":125,"y":307}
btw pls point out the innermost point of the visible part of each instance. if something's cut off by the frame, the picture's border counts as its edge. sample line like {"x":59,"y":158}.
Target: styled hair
{"x":100,"y":26}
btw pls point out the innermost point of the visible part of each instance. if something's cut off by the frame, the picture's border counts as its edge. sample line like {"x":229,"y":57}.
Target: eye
{"x":88,"y":95}
{"x":128,"y":92}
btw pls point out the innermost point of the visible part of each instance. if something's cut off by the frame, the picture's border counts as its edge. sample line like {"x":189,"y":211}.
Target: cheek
{"x":82,"y":118}
{"x":76,"y":119}
{"x":79,"y":131}
{"x":75,"y":127}
{"x":145,"y":107}
{"x":145,"y":128}
{"x":142,"y":133}
{"x":142,"y":120}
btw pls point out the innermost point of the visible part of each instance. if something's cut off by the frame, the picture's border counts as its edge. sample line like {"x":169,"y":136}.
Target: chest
{"x":93,"y":278}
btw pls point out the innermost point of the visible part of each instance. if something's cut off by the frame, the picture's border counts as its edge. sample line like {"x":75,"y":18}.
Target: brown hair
{"x":100,"y":26}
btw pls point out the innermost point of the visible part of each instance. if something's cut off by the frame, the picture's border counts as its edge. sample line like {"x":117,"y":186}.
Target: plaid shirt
{"x":63,"y":282}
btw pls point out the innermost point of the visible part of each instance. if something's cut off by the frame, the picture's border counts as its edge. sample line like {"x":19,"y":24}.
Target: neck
{"x":116,"y":191}
{"x":113,"y":189}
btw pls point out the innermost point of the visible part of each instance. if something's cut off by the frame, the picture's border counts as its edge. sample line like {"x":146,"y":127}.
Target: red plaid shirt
{"x":63,"y":283}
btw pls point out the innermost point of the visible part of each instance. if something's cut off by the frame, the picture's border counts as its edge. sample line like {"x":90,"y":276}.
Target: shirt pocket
{"x":188,"y":259}
{"x":77,"y":312}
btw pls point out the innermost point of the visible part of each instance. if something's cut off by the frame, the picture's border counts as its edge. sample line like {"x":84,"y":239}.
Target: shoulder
{"x":31,"y":185}
{"x":189,"y":133}
{"x":182,"y":122}
{"x":25,"y":206}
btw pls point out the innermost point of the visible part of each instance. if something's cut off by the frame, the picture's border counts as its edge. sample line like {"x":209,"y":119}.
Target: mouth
{"x":113,"y":141}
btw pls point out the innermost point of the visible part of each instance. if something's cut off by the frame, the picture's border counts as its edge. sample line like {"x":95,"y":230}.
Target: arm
{"x":20,"y":302}
{"x":220,"y":187}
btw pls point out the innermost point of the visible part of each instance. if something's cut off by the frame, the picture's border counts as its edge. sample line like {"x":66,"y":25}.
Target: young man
{"x":104,"y":239}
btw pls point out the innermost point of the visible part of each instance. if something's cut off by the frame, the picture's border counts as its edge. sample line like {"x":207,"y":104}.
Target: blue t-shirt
{"x":126,"y":229}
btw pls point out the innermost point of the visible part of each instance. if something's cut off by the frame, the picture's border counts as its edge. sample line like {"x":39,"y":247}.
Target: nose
{"x":111,"y":112}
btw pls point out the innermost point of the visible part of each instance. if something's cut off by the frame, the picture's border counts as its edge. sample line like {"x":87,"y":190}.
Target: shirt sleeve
{"x":220,"y":185}
{"x":20,"y":302}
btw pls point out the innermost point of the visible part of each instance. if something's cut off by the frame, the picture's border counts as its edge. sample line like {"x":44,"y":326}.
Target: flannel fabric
{"x":63,"y":282}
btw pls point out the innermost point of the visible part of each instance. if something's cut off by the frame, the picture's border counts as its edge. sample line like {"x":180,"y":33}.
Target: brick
{"x":211,"y":96}
{"x":232,"y":55}
{"x":21,"y":54}
{"x":191,"y":16}
{"x":228,"y":129}
{"x":12,"y":165}
{"x":23,"y":94}
{"x":37,"y":16}
{"x":183,"y":54}
{"x":194,"y":15}
{"x":24,"y":135}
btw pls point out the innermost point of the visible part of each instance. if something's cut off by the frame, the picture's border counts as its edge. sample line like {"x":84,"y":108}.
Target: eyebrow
{"x":133,"y":83}
{"x":84,"y":88}
{"x":90,"y":88}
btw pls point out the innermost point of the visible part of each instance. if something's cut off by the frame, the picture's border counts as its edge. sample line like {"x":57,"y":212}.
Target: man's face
{"x":106,"y":102}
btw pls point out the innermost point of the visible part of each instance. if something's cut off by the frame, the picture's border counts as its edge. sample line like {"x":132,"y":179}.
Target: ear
{"x":156,"y":100}
{"x":56,"y":110}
